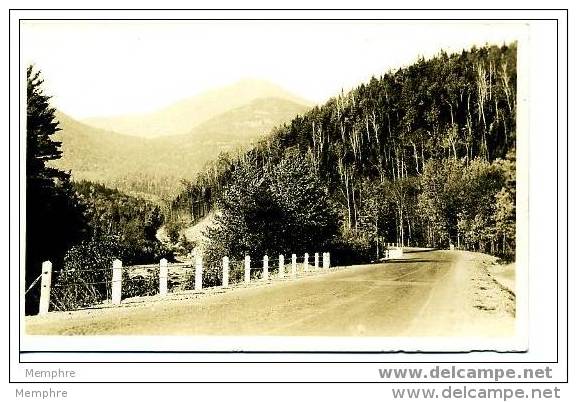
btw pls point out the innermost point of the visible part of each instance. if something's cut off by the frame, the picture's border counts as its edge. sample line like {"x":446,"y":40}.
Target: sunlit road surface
{"x":425,"y":293}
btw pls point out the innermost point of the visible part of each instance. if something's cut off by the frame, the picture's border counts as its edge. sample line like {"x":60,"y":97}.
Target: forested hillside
{"x":153,"y":168}
{"x":424,"y":155}
{"x":114,"y":215}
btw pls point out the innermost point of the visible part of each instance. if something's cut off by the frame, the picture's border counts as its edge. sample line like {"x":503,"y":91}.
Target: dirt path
{"x":426,"y":293}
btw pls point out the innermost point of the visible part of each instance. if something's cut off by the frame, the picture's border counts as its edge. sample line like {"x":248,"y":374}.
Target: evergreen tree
{"x":54,"y":215}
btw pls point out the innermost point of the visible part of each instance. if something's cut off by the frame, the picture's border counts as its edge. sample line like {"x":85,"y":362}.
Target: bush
{"x":145,"y":252}
{"x":212,"y":274}
{"x":350,"y":249}
{"x":140,"y":285}
{"x":173,"y":229}
{"x":185,"y":245}
{"x":85,"y":279}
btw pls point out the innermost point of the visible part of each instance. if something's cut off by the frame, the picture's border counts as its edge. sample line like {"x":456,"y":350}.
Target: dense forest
{"x":131,"y":221}
{"x":424,"y":155}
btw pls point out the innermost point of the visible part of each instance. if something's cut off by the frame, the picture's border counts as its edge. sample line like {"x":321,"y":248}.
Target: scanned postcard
{"x":323,"y":185}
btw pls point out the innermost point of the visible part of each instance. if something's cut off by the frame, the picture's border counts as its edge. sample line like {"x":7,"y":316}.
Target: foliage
{"x":186,"y":246}
{"x":141,"y":284}
{"x":470,"y":205}
{"x":481,"y":183}
{"x":351,"y":248}
{"x":173,"y":229}
{"x":441,"y":199}
{"x":280,"y":209}
{"x":85,"y":279}
{"x":505,"y":214}
{"x":54,"y":215}
{"x":86,"y":276}
{"x":120,"y":226}
{"x":133,"y":222}
{"x":409,"y":133}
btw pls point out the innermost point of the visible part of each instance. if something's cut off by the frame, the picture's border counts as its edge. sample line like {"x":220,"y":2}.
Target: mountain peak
{"x":186,"y":114}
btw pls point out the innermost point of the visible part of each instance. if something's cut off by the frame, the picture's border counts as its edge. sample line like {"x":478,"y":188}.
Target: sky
{"x":105,"y":68}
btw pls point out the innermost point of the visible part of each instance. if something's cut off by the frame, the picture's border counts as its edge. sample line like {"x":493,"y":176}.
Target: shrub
{"x":277,"y":209}
{"x":140,"y":285}
{"x":86,"y":277}
{"x":349,"y":249}
{"x":212,"y":274}
{"x":173,"y":229}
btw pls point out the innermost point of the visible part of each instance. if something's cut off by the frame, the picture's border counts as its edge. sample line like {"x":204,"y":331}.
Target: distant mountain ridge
{"x":182,"y":116}
{"x":232,"y":128}
{"x":155,"y":167}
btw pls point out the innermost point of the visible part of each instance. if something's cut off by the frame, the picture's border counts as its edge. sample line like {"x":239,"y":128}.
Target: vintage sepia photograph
{"x":297,"y":178}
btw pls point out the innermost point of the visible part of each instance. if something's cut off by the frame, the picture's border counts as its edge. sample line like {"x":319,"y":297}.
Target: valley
{"x":153,"y":167}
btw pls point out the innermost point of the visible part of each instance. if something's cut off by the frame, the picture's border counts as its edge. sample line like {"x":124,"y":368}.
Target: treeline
{"x":423,"y":155}
{"x":114,"y":216}
{"x":119,"y":226}
{"x":159,"y":188}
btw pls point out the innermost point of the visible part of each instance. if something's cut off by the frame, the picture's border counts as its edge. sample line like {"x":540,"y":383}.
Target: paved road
{"x":377,"y":300}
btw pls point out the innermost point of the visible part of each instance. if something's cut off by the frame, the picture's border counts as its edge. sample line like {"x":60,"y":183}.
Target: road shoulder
{"x":466,"y":302}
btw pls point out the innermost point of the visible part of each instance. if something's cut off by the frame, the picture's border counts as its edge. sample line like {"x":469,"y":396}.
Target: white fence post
{"x":163,"y":277}
{"x":247,"y":268}
{"x":306,"y":261}
{"x":316,"y":260}
{"x":116,"y":281}
{"x":225,"y":268}
{"x":326,"y":261}
{"x":265,"y":268}
{"x":294,"y":265}
{"x":198,"y":273}
{"x":45,"y":284}
{"x":281,"y":266}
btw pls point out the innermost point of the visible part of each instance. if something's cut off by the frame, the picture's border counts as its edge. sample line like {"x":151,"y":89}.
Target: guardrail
{"x":197,"y":265}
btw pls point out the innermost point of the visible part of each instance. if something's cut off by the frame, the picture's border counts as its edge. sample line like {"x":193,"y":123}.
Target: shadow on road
{"x":419,"y":250}
{"x":415,"y":260}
